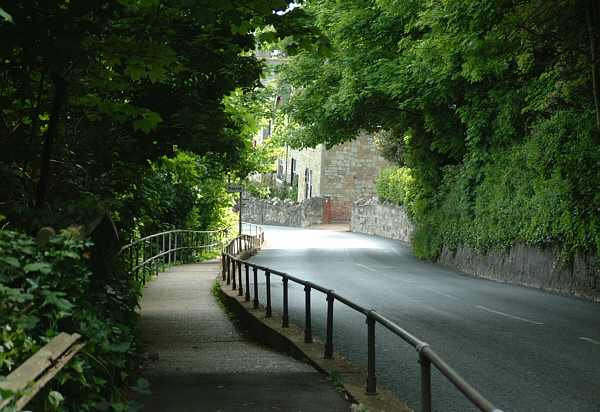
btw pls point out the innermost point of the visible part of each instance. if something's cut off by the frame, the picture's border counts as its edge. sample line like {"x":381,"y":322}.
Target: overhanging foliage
{"x":490,"y":103}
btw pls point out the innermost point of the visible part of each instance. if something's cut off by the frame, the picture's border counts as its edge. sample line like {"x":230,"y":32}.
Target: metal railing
{"x":252,"y":229}
{"x":167,"y":248}
{"x":252,"y":237}
{"x":426,"y":356}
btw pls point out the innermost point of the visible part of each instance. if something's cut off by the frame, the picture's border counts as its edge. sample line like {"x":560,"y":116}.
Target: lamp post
{"x":240,"y":222}
{"x":233,"y":189}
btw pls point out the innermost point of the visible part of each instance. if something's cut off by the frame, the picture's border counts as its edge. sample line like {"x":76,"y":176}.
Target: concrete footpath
{"x":201,"y":362}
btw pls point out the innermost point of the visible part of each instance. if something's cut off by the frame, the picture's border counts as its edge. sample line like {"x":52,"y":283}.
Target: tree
{"x":94,"y":90}
{"x":489,"y":103}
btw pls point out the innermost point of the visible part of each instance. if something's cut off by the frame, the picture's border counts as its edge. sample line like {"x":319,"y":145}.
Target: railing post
{"x":329,"y":339}
{"x":131,"y":258}
{"x":255,"y":301}
{"x":137,"y":261}
{"x":170,"y":248}
{"x":233,"y":280}
{"x":164,"y":258}
{"x":307,"y":315}
{"x":425,"y":381}
{"x":247,"y":297}
{"x":223,"y":266}
{"x":285,"y":320}
{"x":195,"y":246}
{"x":371,"y":378}
{"x":183,"y":243}
{"x":228,"y":270}
{"x":154,"y":259}
{"x":175,"y":248}
{"x":240,"y":288}
{"x":268,"y":278}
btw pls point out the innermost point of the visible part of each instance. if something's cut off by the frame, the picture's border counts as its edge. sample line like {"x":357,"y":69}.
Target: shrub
{"x":183,"y":191}
{"x":47,"y":289}
{"x":396,"y":185}
{"x":258,"y":190}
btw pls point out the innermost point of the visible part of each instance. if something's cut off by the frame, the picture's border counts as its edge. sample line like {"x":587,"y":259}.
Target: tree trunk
{"x":593,"y":21}
{"x":35,"y":122}
{"x":60,"y":93}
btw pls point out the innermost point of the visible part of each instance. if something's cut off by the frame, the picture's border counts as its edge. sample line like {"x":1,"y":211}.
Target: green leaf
{"x":41,"y":267}
{"x":7,"y":17}
{"x":57,"y":300}
{"x":148,"y":122}
{"x":142,"y":386}
{"x":136,"y":72}
{"x":70,"y":254}
{"x":14,"y":262}
{"x":55,"y":398}
{"x":14,"y":295}
{"x":121,"y":347}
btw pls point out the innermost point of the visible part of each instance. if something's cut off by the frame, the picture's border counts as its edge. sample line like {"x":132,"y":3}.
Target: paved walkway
{"x":204,"y":364}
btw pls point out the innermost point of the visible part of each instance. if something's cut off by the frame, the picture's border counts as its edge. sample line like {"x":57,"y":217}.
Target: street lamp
{"x":234,"y":189}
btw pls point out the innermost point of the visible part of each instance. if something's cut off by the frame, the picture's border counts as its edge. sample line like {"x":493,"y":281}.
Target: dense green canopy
{"x":92,"y":91}
{"x":489,"y":103}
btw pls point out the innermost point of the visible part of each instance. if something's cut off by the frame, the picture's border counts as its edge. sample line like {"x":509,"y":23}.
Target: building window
{"x":293,"y":172}
{"x":307,"y":183}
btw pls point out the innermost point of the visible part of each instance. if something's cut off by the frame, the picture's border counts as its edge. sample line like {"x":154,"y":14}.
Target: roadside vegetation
{"x":140,"y":109}
{"x":490,"y":109}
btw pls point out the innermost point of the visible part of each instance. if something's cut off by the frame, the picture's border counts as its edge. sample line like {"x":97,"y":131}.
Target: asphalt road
{"x":523,"y":349}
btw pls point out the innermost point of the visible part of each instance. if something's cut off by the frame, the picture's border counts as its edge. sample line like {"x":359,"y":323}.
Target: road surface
{"x":524,"y":349}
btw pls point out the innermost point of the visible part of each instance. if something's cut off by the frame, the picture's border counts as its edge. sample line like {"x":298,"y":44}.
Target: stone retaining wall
{"x":381,"y":219}
{"x":283,"y":213}
{"x":534,"y":267}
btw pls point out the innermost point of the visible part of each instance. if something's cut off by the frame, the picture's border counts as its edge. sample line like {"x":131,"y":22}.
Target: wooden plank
{"x":46,"y":377}
{"x":38,"y":364}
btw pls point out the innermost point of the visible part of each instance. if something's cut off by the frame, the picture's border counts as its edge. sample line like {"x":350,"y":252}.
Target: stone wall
{"x":381,"y":219}
{"x":534,"y":267}
{"x":348,"y":173}
{"x":283,"y":213}
{"x":530,"y":266}
{"x":343,"y":173}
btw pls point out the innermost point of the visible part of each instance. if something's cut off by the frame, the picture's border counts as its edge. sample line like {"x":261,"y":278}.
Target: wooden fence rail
{"x":29,"y":378}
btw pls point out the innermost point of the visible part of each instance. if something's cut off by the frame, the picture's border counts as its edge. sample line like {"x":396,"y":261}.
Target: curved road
{"x":524,"y":349}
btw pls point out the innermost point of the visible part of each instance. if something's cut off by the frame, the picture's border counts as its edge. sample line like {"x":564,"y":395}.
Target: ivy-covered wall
{"x":532,"y":266}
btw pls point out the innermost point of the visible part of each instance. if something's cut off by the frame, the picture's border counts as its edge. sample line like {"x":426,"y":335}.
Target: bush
{"x":47,"y":289}
{"x":273,"y":190}
{"x":286,"y":191}
{"x":396,"y":185}
{"x":184,"y":191}
{"x":258,"y":190}
{"x":543,"y":191}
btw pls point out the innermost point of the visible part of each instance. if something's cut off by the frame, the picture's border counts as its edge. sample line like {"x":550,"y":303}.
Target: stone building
{"x":342,"y":174}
